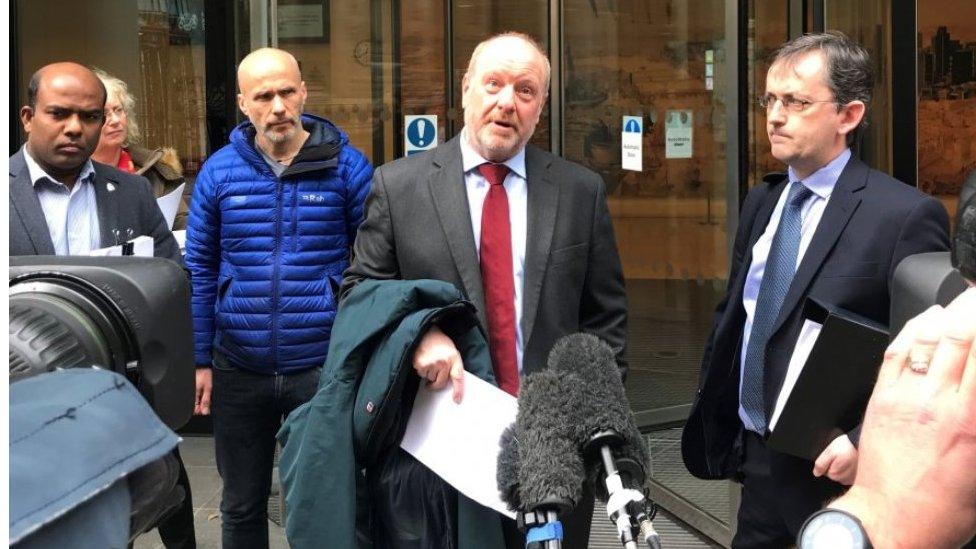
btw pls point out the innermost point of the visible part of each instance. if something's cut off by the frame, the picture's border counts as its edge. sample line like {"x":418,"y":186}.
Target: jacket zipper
{"x":277,"y":268}
{"x":294,"y":219}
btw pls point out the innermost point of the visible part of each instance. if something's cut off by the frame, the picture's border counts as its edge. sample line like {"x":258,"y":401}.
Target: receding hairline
{"x":267,"y":55}
{"x":511,"y":35}
{"x":68,"y":69}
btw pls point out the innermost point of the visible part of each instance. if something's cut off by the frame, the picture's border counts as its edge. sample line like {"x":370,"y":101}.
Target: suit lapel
{"x":24,"y":200}
{"x":450,"y":200}
{"x":107,"y":201}
{"x":843,"y":202}
{"x":543,"y":199}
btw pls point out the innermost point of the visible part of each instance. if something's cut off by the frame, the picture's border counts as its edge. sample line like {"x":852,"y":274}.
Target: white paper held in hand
{"x":459,"y":441}
{"x":169,"y":204}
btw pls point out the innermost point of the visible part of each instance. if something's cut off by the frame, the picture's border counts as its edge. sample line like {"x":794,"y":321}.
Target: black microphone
{"x":614,"y":450}
{"x":540,"y":469}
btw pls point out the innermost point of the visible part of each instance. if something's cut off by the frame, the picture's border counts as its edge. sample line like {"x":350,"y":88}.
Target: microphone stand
{"x":629,"y":509}
{"x":542,"y":525}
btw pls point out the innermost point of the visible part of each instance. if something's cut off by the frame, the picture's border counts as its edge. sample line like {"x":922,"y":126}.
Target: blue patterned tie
{"x":777,"y":276}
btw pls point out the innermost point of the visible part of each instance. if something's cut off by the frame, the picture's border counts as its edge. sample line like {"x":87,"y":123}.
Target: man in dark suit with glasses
{"x":832,"y":229}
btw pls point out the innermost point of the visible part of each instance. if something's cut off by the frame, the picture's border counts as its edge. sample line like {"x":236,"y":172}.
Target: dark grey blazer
{"x":418,"y":225}
{"x":127,"y":207}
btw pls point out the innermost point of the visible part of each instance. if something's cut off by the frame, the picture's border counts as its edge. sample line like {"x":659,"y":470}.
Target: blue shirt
{"x":516,"y":187}
{"x":822,"y":183}
{"x":71,"y":214}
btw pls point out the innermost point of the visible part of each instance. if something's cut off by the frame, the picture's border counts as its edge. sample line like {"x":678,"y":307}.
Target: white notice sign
{"x":631,"y":143}
{"x":678,"y":131}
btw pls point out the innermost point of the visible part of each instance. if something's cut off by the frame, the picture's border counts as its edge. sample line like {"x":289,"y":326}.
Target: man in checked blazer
{"x":62,"y":203}
{"x":432,"y":215}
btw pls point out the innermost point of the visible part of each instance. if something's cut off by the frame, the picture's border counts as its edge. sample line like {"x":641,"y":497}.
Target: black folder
{"x":833,"y":388}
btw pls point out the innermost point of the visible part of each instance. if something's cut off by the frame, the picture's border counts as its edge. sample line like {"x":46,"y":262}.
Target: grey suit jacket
{"x":418,"y":225}
{"x":125,"y":204}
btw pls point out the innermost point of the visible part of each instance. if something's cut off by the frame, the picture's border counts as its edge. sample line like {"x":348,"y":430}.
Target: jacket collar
{"x":320,"y":151}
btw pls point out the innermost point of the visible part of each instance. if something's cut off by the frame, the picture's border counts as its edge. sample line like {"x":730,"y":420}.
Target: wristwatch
{"x":832,"y":529}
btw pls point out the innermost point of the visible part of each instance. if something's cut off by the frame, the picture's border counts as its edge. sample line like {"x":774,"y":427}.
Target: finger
{"x":927,"y":337}
{"x":823,"y":463}
{"x":205,"y":402}
{"x":967,"y":386}
{"x":439,"y":378}
{"x":949,"y":359}
{"x":457,"y":379}
{"x":898,"y":355}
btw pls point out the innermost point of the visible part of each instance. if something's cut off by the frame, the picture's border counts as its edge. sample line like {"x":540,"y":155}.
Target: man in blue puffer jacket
{"x":272,"y":221}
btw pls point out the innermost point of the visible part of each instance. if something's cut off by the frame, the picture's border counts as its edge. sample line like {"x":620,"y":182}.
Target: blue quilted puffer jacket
{"x":266,"y":254}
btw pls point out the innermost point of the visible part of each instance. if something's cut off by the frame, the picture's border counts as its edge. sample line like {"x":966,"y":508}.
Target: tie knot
{"x":493,"y":173}
{"x":798,"y":194}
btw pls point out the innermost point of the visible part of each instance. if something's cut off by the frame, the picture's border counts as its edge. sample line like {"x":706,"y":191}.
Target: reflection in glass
{"x":660,"y":61}
{"x":946,"y":46}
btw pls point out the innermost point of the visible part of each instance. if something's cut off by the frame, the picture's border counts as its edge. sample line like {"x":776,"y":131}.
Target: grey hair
{"x":116,"y":86}
{"x":511,"y":34}
{"x":849,"y":70}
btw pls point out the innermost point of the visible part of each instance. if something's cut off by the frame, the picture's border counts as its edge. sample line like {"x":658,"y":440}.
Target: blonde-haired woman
{"x":119,"y":147}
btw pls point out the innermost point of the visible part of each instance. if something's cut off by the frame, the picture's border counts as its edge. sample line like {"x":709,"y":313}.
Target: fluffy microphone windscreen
{"x":602,"y":404}
{"x":506,"y":474}
{"x":550,"y":463}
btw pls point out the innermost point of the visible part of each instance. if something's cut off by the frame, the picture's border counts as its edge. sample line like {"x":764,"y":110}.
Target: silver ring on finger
{"x":919,"y":366}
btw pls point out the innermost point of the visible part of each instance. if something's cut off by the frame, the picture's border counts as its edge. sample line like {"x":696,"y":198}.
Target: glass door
{"x":645,"y":98}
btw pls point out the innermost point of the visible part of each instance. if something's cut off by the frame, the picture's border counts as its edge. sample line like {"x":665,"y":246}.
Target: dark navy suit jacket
{"x":870,"y":224}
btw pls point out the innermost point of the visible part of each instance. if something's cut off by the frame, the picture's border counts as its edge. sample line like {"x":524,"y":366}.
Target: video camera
{"x":130,"y":315}
{"x":935,"y":278}
{"x":80,"y":328}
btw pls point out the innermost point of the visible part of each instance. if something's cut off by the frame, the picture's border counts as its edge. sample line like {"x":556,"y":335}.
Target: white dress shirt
{"x":516,"y":187}
{"x":71,"y":215}
{"x":821,"y":182}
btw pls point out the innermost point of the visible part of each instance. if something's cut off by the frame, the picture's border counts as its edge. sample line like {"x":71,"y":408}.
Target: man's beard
{"x":275,"y":137}
{"x":280,"y":137}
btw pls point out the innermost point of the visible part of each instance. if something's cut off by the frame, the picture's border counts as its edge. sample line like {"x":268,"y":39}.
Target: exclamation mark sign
{"x":421,"y":131}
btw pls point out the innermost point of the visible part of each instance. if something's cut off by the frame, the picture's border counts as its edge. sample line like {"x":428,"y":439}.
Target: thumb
{"x":824,"y":460}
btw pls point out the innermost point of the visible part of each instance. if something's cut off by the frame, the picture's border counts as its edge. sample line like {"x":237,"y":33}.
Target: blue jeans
{"x":248,"y":409}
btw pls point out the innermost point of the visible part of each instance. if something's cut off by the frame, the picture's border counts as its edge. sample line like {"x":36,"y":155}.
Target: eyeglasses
{"x":117,"y":112}
{"x":790,"y":103}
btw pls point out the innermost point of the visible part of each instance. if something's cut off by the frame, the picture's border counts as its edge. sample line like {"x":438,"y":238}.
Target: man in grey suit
{"x":62,"y":203}
{"x":526,"y":235}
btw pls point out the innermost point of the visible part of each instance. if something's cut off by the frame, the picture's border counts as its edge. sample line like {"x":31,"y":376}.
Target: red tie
{"x":498,"y":278}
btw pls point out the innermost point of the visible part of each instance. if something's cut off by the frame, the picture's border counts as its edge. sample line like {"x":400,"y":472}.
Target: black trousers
{"x":176,"y":531}
{"x":779,"y":492}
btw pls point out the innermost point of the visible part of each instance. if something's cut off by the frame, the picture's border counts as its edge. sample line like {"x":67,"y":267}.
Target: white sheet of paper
{"x":142,"y":246}
{"x":170,"y":204}
{"x":459,"y":442}
{"x":801,"y":351}
{"x":180,"y":237}
{"x":107,"y":252}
